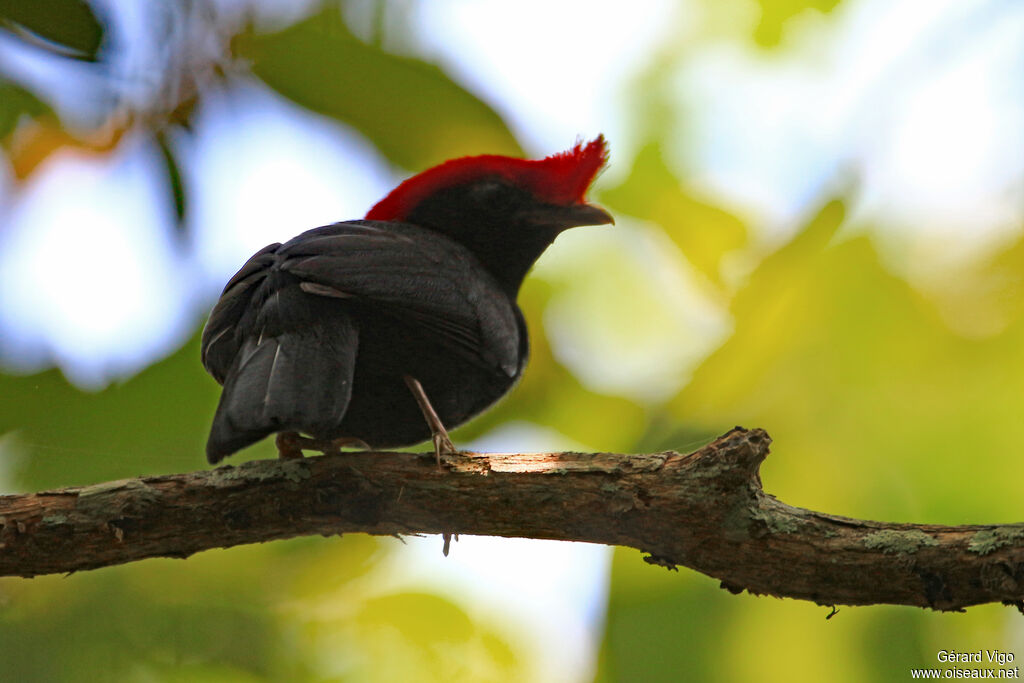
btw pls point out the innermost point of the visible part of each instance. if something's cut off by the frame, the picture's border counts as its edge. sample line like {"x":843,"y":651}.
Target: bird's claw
{"x":443,"y":446}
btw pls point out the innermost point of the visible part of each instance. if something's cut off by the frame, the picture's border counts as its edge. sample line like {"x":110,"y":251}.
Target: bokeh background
{"x":819,"y":208}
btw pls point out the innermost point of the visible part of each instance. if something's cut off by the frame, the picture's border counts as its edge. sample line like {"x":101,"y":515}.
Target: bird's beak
{"x":564,"y":217}
{"x":588,"y":214}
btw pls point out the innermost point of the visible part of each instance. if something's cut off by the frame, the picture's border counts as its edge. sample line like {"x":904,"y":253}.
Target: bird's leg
{"x":289,"y":445}
{"x":440,"y":437}
{"x":442,"y":442}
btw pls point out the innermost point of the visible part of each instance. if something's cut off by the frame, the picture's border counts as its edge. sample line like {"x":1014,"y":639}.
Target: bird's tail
{"x":295,"y":381}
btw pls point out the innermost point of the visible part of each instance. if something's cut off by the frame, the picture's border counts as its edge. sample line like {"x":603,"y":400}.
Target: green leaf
{"x":775,"y":14}
{"x":69,"y":24}
{"x":879,"y":409}
{"x":108,"y":624}
{"x":154,"y":423}
{"x":175,"y":184}
{"x":411,"y":110}
{"x":705,"y":233}
{"x":15,"y":103}
{"x":665,"y":626}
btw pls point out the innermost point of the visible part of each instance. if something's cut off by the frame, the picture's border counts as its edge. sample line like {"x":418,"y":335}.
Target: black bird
{"x":382,"y":331}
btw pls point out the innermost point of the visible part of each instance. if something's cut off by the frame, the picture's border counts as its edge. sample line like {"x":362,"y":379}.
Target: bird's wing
{"x":416,"y":276}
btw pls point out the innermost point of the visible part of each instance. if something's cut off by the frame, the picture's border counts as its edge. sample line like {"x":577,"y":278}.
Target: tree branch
{"x":705,"y":510}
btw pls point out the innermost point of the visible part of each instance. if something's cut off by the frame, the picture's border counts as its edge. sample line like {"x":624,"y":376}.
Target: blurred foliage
{"x":71,"y":26}
{"x":151,"y":424}
{"x":775,"y":14}
{"x":878,"y":409}
{"x":653,"y":193}
{"x":880,"y":404}
{"x":175,"y":182}
{"x":17,"y":102}
{"x":868,"y":389}
{"x":298,"y":610}
{"x":415,"y":114}
{"x":664,"y":626}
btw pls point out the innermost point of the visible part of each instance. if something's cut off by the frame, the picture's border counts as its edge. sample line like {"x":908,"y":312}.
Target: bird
{"x":386,"y":331}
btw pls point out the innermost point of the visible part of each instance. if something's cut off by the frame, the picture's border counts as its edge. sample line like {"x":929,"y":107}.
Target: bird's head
{"x":505,"y":210}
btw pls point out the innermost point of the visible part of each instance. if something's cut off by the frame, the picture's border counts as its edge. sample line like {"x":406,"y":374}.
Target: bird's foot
{"x":443,"y":445}
{"x":290,"y":445}
{"x":439,"y":435}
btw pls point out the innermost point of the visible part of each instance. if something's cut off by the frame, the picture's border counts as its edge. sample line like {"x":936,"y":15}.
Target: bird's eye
{"x":493,"y":195}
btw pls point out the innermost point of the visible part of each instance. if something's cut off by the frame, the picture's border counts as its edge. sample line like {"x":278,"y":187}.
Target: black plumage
{"x":319,"y":335}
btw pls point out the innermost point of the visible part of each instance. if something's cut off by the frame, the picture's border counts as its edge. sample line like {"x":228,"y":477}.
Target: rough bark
{"x":705,"y":510}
